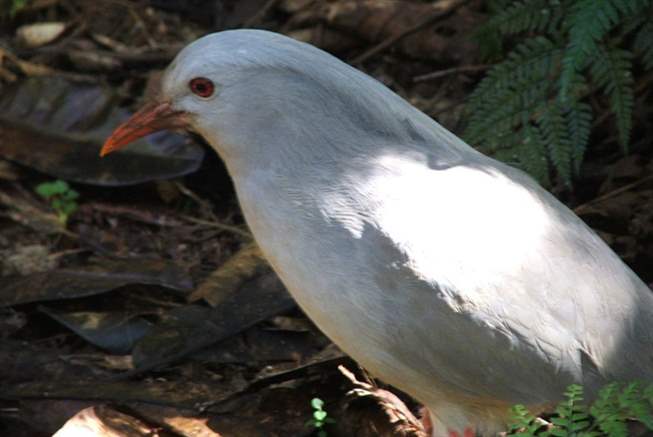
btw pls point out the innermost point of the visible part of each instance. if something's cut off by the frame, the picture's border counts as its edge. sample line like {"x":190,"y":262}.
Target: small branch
{"x":447,"y":9}
{"x":455,"y":70}
{"x":218,"y":225}
{"x":580,"y":208}
{"x":260,"y":15}
{"x":33,"y":69}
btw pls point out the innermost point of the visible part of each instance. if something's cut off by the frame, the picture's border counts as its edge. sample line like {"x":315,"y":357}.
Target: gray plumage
{"x":444,"y":272}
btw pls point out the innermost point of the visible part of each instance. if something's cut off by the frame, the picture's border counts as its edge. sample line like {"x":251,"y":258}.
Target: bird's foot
{"x":427,"y":423}
{"x":468,"y":432}
{"x":425,"y":419}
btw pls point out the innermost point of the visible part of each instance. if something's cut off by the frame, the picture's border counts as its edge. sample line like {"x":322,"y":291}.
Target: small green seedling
{"x":319,"y":419}
{"x":15,"y":6}
{"x":61,"y":197}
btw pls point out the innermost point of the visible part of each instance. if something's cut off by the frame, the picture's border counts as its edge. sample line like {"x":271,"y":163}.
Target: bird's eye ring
{"x":202,"y":87}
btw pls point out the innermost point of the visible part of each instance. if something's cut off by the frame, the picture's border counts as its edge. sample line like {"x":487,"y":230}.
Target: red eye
{"x":202,"y":86}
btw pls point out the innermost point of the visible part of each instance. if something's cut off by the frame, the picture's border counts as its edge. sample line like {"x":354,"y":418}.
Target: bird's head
{"x":237,"y":88}
{"x":192,"y":93}
{"x":251,"y":93}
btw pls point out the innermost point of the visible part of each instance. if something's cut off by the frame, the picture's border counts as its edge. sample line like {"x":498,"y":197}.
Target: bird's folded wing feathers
{"x":517,"y":281}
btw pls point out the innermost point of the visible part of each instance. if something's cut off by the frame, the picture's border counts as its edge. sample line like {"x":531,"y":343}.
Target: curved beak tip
{"x":151,"y":118}
{"x":106,"y":148}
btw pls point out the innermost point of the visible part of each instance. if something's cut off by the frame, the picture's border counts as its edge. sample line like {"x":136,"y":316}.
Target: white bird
{"x":447,"y":274}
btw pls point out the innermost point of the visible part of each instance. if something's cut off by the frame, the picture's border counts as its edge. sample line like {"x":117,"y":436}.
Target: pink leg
{"x":425,"y":418}
{"x":468,"y":432}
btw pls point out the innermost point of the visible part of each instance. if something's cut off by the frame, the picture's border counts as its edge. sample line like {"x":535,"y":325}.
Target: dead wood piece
{"x":242,"y":267}
{"x":107,"y":422}
{"x":35,"y":70}
{"x":39,"y":34}
{"x":191,"y":328}
{"x":183,"y":395}
{"x":373,"y":411}
{"x":184,"y":423}
{"x":24,"y":212}
{"x":8,"y":171}
{"x":26,"y":259}
{"x":86,"y":60}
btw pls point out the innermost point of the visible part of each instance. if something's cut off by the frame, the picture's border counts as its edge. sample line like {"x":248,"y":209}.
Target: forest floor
{"x":139,"y":305}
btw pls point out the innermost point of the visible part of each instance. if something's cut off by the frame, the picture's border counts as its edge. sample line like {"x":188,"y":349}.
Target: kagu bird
{"x":447,"y":274}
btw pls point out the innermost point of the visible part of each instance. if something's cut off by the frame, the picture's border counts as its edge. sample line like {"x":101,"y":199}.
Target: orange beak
{"x":152,"y":117}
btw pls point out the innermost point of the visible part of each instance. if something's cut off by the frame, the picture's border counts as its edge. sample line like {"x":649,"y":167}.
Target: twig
{"x":580,"y":208}
{"x":256,"y":18}
{"x":161,"y":55}
{"x":445,"y":11}
{"x":455,"y":70}
{"x":63,"y":253}
{"x":33,"y":69}
{"x":135,"y":213}
{"x":142,"y":26}
{"x":447,"y":108}
{"x":204,"y":205}
{"x":218,"y":225}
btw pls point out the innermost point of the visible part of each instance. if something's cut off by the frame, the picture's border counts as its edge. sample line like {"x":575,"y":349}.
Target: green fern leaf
{"x":612,"y":71}
{"x":572,"y":416}
{"x":643,"y":44}
{"x":529,"y":109}
{"x":511,"y":89}
{"x":578,"y":117}
{"x":532,"y":154}
{"x":633,"y":401}
{"x":553,"y":126}
{"x":520,"y":16}
{"x":522,"y":422}
{"x":588,"y":22}
{"x":607,"y":412}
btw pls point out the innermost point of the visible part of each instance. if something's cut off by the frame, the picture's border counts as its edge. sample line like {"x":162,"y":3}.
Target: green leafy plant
{"x":9,"y":8}
{"x":533,"y":107}
{"x":319,"y":419}
{"x":615,"y":404}
{"x":17,"y":5}
{"x":62,"y":198}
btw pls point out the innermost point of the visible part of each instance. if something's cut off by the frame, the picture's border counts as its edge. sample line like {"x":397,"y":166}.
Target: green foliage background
{"x":532,"y":109}
{"x":607,"y":416}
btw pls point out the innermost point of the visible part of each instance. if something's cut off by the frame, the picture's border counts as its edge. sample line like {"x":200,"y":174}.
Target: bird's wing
{"x":520,"y":296}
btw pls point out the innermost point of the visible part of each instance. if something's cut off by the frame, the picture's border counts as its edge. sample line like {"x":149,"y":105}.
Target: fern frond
{"x":523,"y":423}
{"x":578,"y":117}
{"x":520,"y":16}
{"x":588,"y":22}
{"x":606,"y":412}
{"x":635,"y":404}
{"x":532,"y":154}
{"x":535,"y":96}
{"x":643,"y":44}
{"x":511,"y":88}
{"x":534,"y":56}
{"x":612,"y":70}
{"x":553,"y":126}
{"x":572,"y":416}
